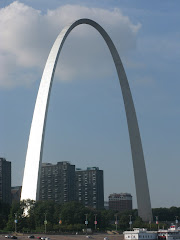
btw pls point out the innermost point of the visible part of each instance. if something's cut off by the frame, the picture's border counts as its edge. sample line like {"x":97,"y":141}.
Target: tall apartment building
{"x":57,"y":182}
{"x":90,"y":187}
{"x":120,"y":201}
{"x":5,"y":181}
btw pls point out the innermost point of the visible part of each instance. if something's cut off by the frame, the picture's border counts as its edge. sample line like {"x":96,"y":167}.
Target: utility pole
{"x":15,"y":222}
{"x":45,"y":221}
{"x":95,"y":222}
{"x":176,"y":221}
{"x":116,"y":222}
{"x":157,"y":222}
{"x":150,"y":225}
{"x":130,"y":222}
{"x":60,"y":222}
{"x":86,"y":222}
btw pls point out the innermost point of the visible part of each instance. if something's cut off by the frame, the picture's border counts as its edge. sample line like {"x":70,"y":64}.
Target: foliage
{"x":166,"y":214}
{"x":71,"y":216}
{"x":4,"y":212}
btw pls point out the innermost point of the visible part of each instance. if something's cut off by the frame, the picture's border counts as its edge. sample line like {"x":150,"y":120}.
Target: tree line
{"x":70,"y":217}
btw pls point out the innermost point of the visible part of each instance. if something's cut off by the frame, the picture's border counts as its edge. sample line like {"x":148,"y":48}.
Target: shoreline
{"x":96,"y":236}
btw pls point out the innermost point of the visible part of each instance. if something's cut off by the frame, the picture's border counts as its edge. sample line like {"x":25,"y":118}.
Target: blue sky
{"x":86,"y":119}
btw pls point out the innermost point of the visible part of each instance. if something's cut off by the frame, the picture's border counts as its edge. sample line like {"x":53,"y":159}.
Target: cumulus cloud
{"x":27,"y":34}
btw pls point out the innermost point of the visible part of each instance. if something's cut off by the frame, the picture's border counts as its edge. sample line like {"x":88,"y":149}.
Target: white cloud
{"x":26,"y":36}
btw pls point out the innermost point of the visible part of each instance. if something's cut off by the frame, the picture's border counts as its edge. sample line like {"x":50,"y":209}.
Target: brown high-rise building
{"x":5,"y":181}
{"x":120,"y":202}
{"x":90,"y":187}
{"x":57,"y":182}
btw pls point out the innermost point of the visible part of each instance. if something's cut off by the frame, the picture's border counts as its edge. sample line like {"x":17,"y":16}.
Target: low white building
{"x":140,"y":233}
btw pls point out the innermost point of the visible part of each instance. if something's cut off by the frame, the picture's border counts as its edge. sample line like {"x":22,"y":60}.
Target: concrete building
{"x":90,"y":187}
{"x":57,"y":182}
{"x":120,"y":202}
{"x":5,"y":181}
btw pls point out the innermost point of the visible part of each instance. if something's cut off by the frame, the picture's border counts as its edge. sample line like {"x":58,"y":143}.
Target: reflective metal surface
{"x":30,"y":186}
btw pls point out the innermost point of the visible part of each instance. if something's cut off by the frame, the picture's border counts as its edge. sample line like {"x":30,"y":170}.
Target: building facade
{"x":5,"y":181}
{"x":16,"y":193}
{"x":120,"y":202}
{"x":57,"y":182}
{"x":90,"y":187}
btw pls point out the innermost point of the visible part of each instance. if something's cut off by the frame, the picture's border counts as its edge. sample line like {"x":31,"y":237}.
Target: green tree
{"x":4,"y":212}
{"x":138,"y":223}
{"x":73,"y":213}
{"x":123,"y":222}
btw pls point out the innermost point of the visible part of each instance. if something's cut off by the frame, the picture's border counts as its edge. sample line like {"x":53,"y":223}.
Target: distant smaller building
{"x":120,"y":202}
{"x":16,"y":193}
{"x":106,"y":205}
{"x":5,"y":181}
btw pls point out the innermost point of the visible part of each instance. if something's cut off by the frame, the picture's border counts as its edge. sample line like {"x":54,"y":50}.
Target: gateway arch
{"x":31,"y":179}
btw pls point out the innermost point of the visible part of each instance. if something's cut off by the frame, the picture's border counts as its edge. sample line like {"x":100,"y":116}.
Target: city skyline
{"x":90,"y":123}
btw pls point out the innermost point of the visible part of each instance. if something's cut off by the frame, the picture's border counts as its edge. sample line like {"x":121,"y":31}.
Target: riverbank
{"x":71,"y":237}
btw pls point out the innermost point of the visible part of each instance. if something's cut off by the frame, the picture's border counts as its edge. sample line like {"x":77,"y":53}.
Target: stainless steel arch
{"x":30,"y":186}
